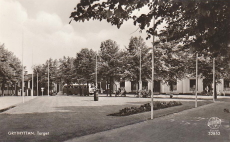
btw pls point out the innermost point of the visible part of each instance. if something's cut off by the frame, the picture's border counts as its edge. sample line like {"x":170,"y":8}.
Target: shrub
{"x":145,"y":107}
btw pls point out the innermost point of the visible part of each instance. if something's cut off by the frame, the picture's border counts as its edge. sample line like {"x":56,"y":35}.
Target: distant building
{"x":183,"y":86}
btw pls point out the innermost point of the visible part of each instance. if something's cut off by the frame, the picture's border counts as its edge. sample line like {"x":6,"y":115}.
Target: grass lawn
{"x":78,"y":122}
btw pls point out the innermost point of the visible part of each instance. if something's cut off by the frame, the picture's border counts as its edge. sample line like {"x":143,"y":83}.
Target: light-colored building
{"x":183,"y":86}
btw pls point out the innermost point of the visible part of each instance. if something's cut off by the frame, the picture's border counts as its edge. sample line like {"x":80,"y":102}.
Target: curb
{"x":5,"y":109}
{"x":12,"y":106}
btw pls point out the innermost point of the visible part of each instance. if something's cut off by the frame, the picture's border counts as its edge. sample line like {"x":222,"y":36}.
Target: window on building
{"x":144,"y":85}
{"x":122,"y":84}
{"x":192,"y":84}
{"x":226,"y":84}
{"x":173,"y":86}
{"x":133,"y":85}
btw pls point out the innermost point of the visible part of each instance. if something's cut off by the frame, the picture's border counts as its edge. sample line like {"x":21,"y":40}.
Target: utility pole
{"x":152,"y":74}
{"x":196,"y":78}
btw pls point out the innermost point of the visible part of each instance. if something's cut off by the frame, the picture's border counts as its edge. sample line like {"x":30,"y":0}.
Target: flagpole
{"x":32,"y":94}
{"x":140,"y":86}
{"x":96,"y":70}
{"x":196,"y":78}
{"x":48,"y":78}
{"x":152,"y":74}
{"x":37,"y":82}
{"x":214,"y":80}
{"x":22,"y":70}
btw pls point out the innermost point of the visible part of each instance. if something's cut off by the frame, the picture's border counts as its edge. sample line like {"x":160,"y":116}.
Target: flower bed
{"x":145,"y":107}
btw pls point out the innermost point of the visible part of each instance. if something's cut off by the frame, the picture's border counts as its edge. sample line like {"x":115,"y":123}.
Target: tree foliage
{"x":10,"y":68}
{"x":137,"y":51}
{"x":42,"y":72}
{"x":110,"y":63}
{"x":200,"y":26}
{"x":66,"y":70}
{"x":84,"y":66}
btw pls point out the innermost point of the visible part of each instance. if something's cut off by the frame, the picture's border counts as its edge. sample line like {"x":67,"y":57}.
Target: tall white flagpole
{"x":37,"y":82}
{"x":196,"y":78}
{"x":152,"y":74}
{"x":140,"y":81}
{"x":213,"y":80}
{"x":48,"y":78}
{"x":96,"y":70}
{"x":22,"y":70}
{"x":32,"y":93}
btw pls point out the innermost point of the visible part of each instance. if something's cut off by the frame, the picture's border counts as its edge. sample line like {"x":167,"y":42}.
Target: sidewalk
{"x":189,"y":126}
{"x":11,"y":101}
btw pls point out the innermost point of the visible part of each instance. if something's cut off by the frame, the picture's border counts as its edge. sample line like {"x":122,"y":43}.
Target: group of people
{"x":120,"y":92}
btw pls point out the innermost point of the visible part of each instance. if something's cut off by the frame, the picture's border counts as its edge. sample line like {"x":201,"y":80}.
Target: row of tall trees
{"x":10,"y":70}
{"x":191,"y":27}
{"x":115,"y":64}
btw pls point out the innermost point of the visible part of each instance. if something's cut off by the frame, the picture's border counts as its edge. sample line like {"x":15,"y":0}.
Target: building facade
{"x":183,"y":86}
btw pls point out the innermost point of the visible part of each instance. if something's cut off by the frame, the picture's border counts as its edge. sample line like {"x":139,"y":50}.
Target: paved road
{"x":186,"y":126}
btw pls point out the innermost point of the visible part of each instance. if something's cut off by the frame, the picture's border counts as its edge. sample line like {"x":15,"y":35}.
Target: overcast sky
{"x":41,"y":28}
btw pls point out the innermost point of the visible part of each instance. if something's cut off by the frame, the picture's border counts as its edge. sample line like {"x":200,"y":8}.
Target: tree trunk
{"x":215,"y":92}
{"x":11,"y":89}
{"x":3,"y":87}
{"x":87,"y":88}
{"x":107,"y":87}
{"x":137,"y":88}
{"x":110,"y":84}
{"x":8,"y":91}
{"x":15,"y":91}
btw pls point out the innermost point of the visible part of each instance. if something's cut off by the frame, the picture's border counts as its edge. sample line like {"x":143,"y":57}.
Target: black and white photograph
{"x":114,"y":70}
